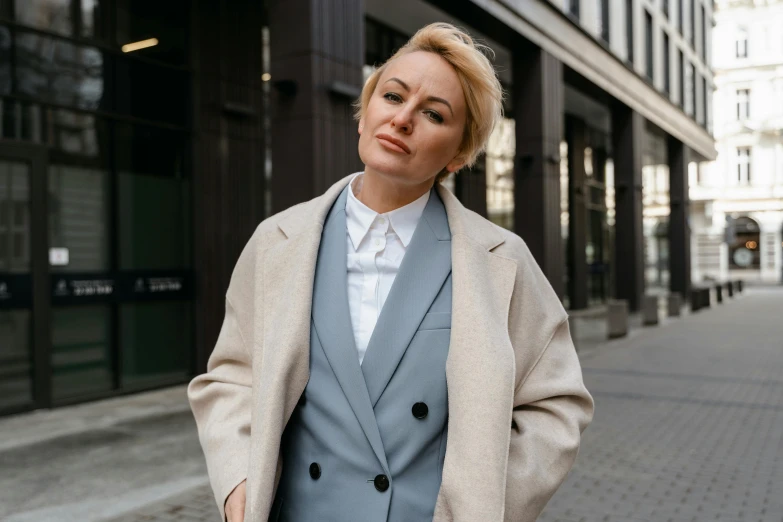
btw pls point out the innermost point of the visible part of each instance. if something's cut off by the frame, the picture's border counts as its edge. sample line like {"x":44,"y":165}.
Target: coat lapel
{"x":332,"y":319}
{"x":286,"y":267}
{"x":480,"y":371}
{"x":426,"y":265}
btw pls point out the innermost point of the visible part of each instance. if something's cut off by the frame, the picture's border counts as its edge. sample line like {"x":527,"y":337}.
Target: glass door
{"x":24,"y":309}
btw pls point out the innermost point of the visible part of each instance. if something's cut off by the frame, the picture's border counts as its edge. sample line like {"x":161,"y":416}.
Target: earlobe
{"x":361,"y":125}
{"x":455,"y":164}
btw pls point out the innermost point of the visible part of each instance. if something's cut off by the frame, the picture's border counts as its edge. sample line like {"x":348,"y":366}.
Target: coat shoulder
{"x":531,"y":283}
{"x":266,"y":235}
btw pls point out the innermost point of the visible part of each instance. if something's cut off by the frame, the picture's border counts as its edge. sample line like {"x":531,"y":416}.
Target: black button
{"x":381,"y":483}
{"x":315,"y":471}
{"x":420,"y":410}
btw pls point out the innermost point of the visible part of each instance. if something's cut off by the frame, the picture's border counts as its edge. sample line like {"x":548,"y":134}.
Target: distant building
{"x":737,"y":208}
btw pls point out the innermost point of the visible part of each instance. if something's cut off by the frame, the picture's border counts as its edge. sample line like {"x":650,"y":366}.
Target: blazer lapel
{"x":425,"y":267}
{"x":332,"y":319}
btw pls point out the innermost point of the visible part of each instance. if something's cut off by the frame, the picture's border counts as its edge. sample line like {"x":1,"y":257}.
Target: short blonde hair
{"x":483,"y":93}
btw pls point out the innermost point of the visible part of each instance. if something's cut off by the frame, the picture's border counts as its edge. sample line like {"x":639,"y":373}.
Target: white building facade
{"x":737,"y":201}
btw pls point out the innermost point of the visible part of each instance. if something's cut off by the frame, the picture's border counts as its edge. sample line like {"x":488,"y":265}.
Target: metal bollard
{"x":650,"y":310}
{"x":730,"y":288}
{"x":706,"y":297}
{"x":739,"y":286}
{"x":617,"y":318}
{"x":696,"y":299}
{"x":674,"y":304}
{"x":719,"y":293}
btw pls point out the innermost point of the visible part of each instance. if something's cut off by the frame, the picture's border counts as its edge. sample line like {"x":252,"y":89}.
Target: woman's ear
{"x":457,"y":163}
{"x":361,"y":125}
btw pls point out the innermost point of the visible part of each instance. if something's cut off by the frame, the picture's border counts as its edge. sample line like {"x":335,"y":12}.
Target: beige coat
{"x":517,"y":403}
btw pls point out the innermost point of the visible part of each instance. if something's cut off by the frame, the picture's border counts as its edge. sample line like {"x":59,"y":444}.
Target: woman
{"x":387,"y":354}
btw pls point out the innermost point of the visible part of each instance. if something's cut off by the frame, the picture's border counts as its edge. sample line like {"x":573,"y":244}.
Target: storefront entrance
{"x":78,"y":320}
{"x":23,"y":305}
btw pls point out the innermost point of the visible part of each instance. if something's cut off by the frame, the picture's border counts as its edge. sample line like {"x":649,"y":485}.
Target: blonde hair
{"x":483,"y":93}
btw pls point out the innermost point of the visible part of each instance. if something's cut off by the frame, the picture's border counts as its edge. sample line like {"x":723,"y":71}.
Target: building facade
{"x":738,"y":199}
{"x":142,"y":142}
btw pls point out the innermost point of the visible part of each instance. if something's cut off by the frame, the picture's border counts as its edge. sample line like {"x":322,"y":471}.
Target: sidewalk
{"x":100,"y":460}
{"x":688,"y":427}
{"x":688,"y":423}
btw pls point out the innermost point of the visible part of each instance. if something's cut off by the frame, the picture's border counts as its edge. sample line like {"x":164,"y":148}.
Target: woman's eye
{"x":434,"y":116}
{"x":392,"y":97}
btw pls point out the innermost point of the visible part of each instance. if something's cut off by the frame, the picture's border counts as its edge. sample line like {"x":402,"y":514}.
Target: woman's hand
{"x":235,"y":504}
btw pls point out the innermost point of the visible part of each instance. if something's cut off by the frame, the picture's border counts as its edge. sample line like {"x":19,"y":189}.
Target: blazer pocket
{"x":436,"y":321}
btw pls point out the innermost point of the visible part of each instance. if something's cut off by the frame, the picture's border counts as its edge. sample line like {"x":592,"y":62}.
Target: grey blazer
{"x":367,"y":443}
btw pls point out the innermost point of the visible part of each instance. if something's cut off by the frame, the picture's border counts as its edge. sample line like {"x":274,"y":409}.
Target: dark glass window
{"x":15,"y":218}
{"x":573,"y":8}
{"x":692,"y":33}
{"x":381,"y":42}
{"x":629,"y":28}
{"x":5,"y":60}
{"x":154,"y":199}
{"x":667,"y":80}
{"x":164,"y":23}
{"x":705,"y":102}
{"x":155,"y":341}
{"x":648,"y":46}
{"x":53,"y":70}
{"x":694,"y":86}
{"x":681,"y":71}
{"x":703,"y":34}
{"x":79,"y":217}
{"x":604,"y":20}
{"x":81,"y":354}
{"x":16,"y":386}
{"x":681,"y":16}
{"x":152,"y":92}
{"x":79,"y":200}
{"x":665,"y":8}
{"x":92,"y":18}
{"x":55,"y":16}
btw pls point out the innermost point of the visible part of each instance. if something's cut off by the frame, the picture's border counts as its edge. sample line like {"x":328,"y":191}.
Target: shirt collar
{"x":360,"y":217}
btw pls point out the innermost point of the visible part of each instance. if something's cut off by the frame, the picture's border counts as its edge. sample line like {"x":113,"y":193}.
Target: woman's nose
{"x":402,"y":121}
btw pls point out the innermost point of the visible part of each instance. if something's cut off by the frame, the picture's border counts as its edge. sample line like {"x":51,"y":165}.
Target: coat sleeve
{"x":221,"y":398}
{"x":551,"y":409}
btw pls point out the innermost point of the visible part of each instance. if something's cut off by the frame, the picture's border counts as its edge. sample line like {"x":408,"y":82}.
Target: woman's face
{"x":414,"y":123}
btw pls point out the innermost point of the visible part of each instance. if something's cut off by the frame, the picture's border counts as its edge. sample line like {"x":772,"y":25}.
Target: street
{"x":688,"y":427}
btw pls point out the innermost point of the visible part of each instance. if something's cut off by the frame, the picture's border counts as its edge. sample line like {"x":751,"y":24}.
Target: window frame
{"x":743,"y":104}
{"x":667,"y":79}
{"x":741,"y":44}
{"x":649,"y":46}
{"x":743,"y":158}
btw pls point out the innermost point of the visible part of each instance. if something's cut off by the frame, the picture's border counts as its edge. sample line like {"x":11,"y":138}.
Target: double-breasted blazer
{"x":517,"y":403}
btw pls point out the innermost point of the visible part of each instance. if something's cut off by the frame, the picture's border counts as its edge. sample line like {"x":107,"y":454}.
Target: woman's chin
{"x":390,"y":169}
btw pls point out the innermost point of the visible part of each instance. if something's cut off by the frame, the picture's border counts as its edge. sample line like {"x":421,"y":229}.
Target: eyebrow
{"x":430,"y":98}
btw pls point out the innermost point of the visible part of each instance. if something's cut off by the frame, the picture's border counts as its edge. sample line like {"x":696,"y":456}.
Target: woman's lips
{"x":392,"y":143}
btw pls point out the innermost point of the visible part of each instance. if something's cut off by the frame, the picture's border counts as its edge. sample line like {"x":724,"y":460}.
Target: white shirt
{"x":376,"y":246}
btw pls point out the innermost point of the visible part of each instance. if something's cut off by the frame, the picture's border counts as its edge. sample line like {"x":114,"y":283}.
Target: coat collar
{"x":461,"y":220}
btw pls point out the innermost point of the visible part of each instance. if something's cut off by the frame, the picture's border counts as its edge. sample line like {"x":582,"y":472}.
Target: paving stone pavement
{"x":196,"y":505}
{"x":688,"y":423}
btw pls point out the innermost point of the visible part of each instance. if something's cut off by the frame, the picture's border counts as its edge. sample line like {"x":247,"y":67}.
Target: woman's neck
{"x":382,"y":194}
